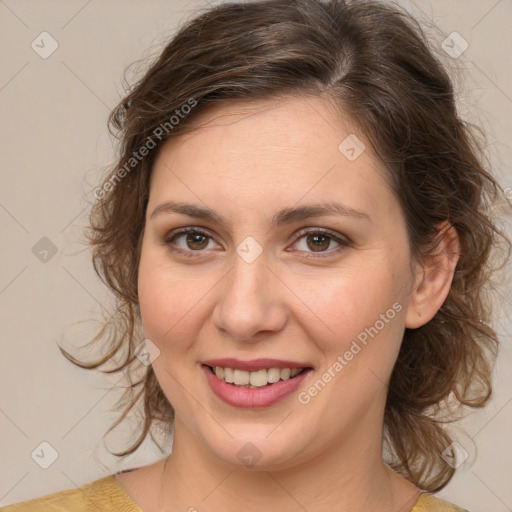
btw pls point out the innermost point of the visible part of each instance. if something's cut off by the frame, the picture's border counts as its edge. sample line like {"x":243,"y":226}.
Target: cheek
{"x":361,"y":305}
{"x":350,"y":300}
{"x":172,"y":302}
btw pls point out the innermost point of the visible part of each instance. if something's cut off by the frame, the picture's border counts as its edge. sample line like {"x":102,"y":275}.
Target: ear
{"x":434,"y":277}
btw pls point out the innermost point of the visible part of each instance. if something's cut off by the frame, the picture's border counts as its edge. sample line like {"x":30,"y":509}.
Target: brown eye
{"x":188,"y":241}
{"x":318,"y":243}
{"x":196,"y":241}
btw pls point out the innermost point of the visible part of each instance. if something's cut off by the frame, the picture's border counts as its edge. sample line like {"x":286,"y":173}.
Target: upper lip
{"x":254,"y":364}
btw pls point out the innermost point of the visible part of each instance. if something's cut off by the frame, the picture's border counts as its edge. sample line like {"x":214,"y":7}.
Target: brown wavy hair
{"x":374,"y":63}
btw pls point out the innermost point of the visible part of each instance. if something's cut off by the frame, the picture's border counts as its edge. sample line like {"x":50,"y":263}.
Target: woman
{"x":297,"y":227}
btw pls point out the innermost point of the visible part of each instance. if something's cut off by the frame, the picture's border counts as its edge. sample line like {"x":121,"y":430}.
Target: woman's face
{"x":298,"y":260}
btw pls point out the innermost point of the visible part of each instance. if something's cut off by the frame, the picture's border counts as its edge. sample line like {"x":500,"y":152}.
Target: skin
{"x":246,"y":161}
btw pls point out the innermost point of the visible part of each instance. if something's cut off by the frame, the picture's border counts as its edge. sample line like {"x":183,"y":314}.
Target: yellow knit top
{"x":107,"y":495}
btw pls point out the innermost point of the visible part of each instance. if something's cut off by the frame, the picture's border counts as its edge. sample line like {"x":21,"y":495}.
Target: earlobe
{"x":434,"y":278}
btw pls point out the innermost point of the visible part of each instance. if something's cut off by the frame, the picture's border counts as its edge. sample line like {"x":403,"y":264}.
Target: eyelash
{"x":343,"y":242}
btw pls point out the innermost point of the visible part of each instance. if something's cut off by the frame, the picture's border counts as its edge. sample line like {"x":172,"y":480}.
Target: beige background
{"x":54,"y":143}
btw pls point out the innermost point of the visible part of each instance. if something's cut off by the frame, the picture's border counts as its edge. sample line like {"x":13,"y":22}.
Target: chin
{"x":259,"y":452}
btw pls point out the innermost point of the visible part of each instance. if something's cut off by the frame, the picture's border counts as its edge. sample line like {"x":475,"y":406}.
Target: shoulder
{"x":429,"y":503}
{"x":103,"y":495}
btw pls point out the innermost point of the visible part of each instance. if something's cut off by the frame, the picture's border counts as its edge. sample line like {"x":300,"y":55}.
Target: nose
{"x":250,"y":301}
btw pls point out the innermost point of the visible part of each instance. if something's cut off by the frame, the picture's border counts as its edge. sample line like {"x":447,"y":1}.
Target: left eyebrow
{"x":289,"y":215}
{"x":284,"y":216}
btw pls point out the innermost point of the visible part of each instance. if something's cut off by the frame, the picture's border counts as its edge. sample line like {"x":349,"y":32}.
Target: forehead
{"x":293,"y":123}
{"x":286,"y":149}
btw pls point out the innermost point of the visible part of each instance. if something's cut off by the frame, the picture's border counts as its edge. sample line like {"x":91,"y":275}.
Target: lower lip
{"x":253,"y":397}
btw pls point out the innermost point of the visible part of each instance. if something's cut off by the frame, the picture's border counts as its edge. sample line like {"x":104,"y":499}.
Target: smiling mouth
{"x":255,"y":379}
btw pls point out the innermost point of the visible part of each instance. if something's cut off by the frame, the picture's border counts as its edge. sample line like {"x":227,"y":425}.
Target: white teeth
{"x":228,"y":375}
{"x":257,"y":378}
{"x":273,"y":374}
{"x":241,"y":377}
